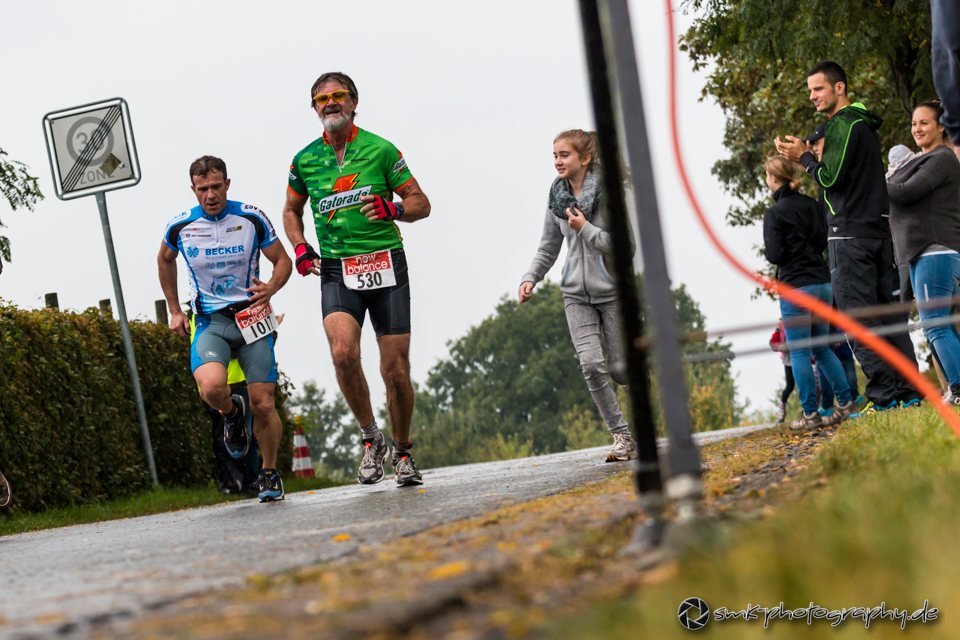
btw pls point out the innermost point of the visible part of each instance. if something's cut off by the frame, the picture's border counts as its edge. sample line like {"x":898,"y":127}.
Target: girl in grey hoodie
{"x":575,"y":213}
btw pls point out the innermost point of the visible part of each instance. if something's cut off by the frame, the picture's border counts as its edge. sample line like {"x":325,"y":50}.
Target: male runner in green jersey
{"x":349,"y":175}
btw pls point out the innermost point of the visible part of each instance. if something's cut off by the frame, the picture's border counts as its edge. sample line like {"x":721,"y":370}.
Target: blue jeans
{"x":845,"y":356}
{"x":936,"y":277}
{"x":796,"y":330}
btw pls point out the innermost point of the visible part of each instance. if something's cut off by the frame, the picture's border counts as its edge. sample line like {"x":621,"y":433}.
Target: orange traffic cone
{"x":302,"y":464}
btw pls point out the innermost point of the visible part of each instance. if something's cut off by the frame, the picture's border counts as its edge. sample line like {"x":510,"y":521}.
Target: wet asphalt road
{"x":58,"y":581}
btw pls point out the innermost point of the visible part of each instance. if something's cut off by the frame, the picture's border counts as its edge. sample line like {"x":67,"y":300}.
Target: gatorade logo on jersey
{"x":344,"y":195}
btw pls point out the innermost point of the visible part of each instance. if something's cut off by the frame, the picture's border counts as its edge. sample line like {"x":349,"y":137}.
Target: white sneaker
{"x":952,"y":398}
{"x":624,"y":448}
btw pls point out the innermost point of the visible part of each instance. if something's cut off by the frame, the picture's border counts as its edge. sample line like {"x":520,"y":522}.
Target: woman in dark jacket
{"x":794,"y":239}
{"x":925,"y":223}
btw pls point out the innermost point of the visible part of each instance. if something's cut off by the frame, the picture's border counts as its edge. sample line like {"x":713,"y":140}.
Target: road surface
{"x":62,"y":580}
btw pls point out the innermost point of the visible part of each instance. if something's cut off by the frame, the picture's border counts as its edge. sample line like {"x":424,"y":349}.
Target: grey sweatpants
{"x":595,"y":329}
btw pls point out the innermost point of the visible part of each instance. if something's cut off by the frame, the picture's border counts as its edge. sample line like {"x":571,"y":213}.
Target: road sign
{"x":91,"y":151}
{"x":91,"y":148}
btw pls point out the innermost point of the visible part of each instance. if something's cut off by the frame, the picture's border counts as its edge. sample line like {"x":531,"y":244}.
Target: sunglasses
{"x":324,"y":98}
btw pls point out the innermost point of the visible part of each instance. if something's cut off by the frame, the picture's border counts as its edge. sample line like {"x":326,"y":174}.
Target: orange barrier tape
{"x":856,"y":330}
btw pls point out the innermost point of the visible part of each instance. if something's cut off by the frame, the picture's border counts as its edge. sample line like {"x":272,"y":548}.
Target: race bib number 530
{"x":369,"y":271}
{"x":256,"y":322}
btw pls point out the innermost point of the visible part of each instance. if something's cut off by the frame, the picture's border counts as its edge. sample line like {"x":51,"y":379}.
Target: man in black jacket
{"x":863,"y":270}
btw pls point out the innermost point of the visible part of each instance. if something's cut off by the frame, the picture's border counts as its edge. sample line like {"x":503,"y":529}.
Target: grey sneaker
{"x":841,"y":413}
{"x":624,"y":448}
{"x":235,"y":436}
{"x":406,"y":469}
{"x":807,"y":422}
{"x":371,"y":464}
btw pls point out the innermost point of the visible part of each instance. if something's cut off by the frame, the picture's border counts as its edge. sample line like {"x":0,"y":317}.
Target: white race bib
{"x":256,"y":322}
{"x":369,"y":271}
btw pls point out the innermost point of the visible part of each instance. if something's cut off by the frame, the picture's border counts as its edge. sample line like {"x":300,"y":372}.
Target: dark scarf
{"x":561,"y":196}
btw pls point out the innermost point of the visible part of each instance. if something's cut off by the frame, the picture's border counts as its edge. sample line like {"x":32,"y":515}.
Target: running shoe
{"x":406,"y":469}
{"x":624,"y":448}
{"x":236,"y":436}
{"x":371,"y":464}
{"x":807,"y":422}
{"x":952,"y":396}
{"x":912,"y":403}
{"x":825,"y":413}
{"x":270,"y":486}
{"x":838,"y":415}
{"x":871,"y":408}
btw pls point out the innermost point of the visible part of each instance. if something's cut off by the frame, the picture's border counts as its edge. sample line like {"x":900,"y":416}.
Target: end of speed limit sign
{"x":91,"y":148}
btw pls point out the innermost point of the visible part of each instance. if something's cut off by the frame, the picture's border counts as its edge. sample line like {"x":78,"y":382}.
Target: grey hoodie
{"x":585,"y":277}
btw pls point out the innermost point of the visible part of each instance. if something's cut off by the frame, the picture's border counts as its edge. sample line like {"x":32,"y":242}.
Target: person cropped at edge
{"x":576,"y":212}
{"x":945,"y":59}
{"x":925,"y":221}
{"x":234,"y":475}
{"x":794,"y":239}
{"x":778,"y":343}
{"x":350,"y":175}
{"x":862,"y":267}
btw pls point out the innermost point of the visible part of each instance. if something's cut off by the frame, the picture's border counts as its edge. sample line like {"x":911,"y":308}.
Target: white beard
{"x":335,"y":122}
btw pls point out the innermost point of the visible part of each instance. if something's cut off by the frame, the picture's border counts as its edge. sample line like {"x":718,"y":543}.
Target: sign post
{"x":92,"y":151}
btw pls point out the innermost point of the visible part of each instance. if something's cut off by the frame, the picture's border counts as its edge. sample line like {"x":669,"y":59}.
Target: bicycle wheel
{"x":5,"y":493}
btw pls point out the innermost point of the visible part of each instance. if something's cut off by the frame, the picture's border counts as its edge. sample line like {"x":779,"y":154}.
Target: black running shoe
{"x":236,"y":437}
{"x":270,"y":486}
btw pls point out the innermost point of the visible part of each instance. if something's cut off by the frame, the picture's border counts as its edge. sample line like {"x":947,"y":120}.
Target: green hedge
{"x":69,"y":432}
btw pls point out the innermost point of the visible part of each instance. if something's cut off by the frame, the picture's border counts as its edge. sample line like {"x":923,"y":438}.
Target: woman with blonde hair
{"x":794,"y":239}
{"x":575,"y":212}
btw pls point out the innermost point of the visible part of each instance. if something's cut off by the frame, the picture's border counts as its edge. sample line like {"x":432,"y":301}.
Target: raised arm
{"x":415,"y":203}
{"x":282,"y":267}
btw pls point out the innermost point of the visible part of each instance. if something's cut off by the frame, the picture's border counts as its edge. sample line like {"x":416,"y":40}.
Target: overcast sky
{"x":472,"y":94}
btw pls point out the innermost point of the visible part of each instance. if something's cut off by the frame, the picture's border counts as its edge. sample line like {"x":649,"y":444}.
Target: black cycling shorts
{"x":389,"y":307}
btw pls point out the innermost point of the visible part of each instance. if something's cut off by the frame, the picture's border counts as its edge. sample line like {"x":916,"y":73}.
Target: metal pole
{"x":683,"y":457}
{"x":127,"y":342}
{"x":648,"y":478}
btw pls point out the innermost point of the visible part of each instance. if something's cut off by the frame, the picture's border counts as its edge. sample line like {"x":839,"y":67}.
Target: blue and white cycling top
{"x":222,"y":252}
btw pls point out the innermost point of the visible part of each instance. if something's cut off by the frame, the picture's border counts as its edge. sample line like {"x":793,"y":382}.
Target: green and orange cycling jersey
{"x":370,"y":166}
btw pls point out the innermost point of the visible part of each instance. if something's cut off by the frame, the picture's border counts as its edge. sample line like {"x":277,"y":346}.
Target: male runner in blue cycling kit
{"x":221,"y":241}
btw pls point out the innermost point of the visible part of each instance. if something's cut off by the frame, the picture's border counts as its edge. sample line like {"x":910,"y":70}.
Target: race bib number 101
{"x":256,"y":322}
{"x":369,"y":271}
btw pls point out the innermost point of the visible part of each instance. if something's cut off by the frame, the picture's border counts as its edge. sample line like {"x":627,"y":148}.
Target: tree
{"x":512,"y":386}
{"x":19,"y":189}
{"x":758,"y":53}
{"x":329,"y":429}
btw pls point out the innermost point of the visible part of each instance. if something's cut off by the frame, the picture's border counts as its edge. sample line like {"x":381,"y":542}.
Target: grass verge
{"x":875,"y":520}
{"x":159,"y":500}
